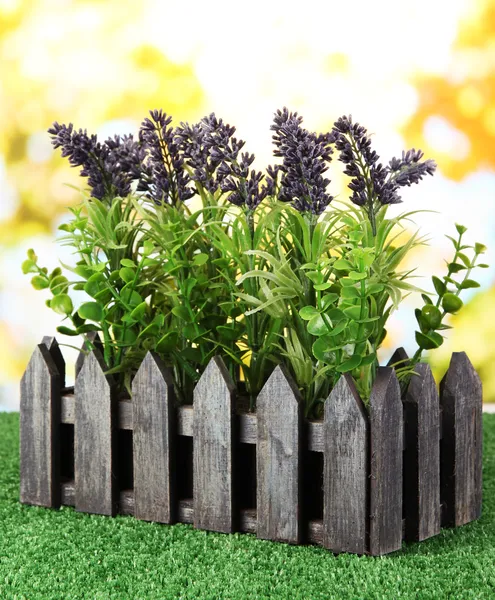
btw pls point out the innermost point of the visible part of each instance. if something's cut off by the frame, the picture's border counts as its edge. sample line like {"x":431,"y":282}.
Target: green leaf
{"x":374,"y":288}
{"x":456,"y":267}
{"x":103,"y":296}
{"x":193,"y":332}
{"x":353,"y":312}
{"x":127,"y":262}
{"x":323,"y":286}
{"x":338,"y":328}
{"x":315,"y":276}
{"x":59,"y":285}
{"x":29,"y":266}
{"x":429,"y":342}
{"x":66,"y":330}
{"x":368,"y":360}
{"x":308,"y":312}
{"x":464,"y":259}
{"x":479,"y":248}
{"x":451,"y":303}
{"x":321,"y":350}
{"x":328,"y":299}
{"x":139,"y":312}
{"x":127,"y":274}
{"x":62,"y":304}
{"x":130,"y":296}
{"x":350,"y":364}
{"x":350,"y":292}
{"x":483,"y":265}
{"x":39,"y":282}
{"x":92,"y":311}
{"x":181,"y":312}
{"x":469,"y":283}
{"x":31,"y":254}
{"x":347,"y":282}
{"x":342,"y":265}
{"x":431,"y":316}
{"x":189,"y":286}
{"x":317,"y":326}
{"x":148,"y":247}
{"x":439,"y":285}
{"x":356,"y":276}
{"x":87,"y":328}
{"x":200,"y":259}
{"x":83,"y":271}
{"x":423,"y":325}
{"x":460,"y":229}
{"x":228,"y":333}
{"x":168,"y":342}
{"x":426,"y":299}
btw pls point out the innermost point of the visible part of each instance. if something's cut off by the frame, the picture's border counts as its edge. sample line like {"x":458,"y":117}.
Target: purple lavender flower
{"x":373,"y":184}
{"x":305,"y":158}
{"x":214,"y":154}
{"x":163,"y":176}
{"x":110,"y":167}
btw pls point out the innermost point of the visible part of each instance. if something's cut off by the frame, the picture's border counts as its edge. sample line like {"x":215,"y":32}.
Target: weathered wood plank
{"x":399,"y":358}
{"x":386,"y":434}
{"x":94,"y":339}
{"x":422,"y":456}
{"x":462,"y":438}
{"x":346,"y":476}
{"x":278,"y":457}
{"x":58,"y":358}
{"x":213,"y":460}
{"x":39,"y":431}
{"x":95,"y":439}
{"x":154,"y":422}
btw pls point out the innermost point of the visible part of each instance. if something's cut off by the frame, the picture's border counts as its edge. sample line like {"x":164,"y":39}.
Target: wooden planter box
{"x":358,"y":481}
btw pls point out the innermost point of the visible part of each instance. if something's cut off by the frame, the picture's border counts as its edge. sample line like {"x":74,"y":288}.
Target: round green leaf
{"x":39,"y":282}
{"x":127,"y":262}
{"x":431,"y":316}
{"x":62,"y":304}
{"x":181,"y":312}
{"x":356,"y":276}
{"x":200,"y":259}
{"x":127,"y":274}
{"x":349,"y":365}
{"x":469,"y":283}
{"x":321,"y":350}
{"x":428,"y":342}
{"x":59,"y":285}
{"x":139,"y":312}
{"x":451,"y":303}
{"x":317,"y":326}
{"x":328,"y":300}
{"x":29,"y":266}
{"x":308,"y":312}
{"x":342,"y":265}
{"x":92,"y":311}
{"x":168,"y":342}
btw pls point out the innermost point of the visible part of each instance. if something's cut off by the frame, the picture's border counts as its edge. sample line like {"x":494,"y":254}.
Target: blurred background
{"x":416,"y":74}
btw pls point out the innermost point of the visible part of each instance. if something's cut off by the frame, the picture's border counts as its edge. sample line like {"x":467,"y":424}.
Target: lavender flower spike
{"x":305,"y":157}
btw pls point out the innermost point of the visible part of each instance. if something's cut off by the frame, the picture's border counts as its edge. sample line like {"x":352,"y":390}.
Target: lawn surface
{"x":63,"y":555}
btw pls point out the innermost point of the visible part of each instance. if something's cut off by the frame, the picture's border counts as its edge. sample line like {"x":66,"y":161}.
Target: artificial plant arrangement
{"x":183,"y":248}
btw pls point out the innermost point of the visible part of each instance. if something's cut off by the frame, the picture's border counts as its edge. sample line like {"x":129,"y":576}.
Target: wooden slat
{"x":95,"y":439}
{"x":247,"y":521}
{"x":55,"y":352}
{"x":461,"y":448}
{"x":278,"y":456}
{"x":154,"y":441}
{"x":345,"y":479}
{"x":248,"y":431}
{"x":39,"y":435}
{"x":398,"y":358}
{"x":386,"y":434}
{"x":422,"y":456}
{"x":213,"y":462}
{"x":94,"y":339}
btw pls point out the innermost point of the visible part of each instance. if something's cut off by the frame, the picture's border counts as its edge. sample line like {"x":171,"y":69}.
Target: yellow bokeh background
{"x":415,"y":74}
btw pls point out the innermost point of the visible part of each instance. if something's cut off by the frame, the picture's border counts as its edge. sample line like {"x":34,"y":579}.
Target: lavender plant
{"x":184,"y":248}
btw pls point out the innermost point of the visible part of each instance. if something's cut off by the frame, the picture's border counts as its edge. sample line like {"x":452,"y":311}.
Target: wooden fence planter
{"x":357,"y":481}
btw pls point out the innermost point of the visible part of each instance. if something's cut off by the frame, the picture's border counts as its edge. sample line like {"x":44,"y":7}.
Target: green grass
{"x":61,"y":554}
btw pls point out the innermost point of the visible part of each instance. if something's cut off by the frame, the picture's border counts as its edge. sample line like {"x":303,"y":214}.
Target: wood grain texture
{"x":422,"y":456}
{"x":386,"y":435}
{"x":461,"y":447}
{"x":55,"y":352}
{"x":346,"y":470}
{"x":278,"y":457}
{"x":154,"y":421}
{"x":39,"y":431}
{"x":399,"y":358}
{"x":95,"y":439}
{"x":213,"y":460}
{"x":94,"y":338}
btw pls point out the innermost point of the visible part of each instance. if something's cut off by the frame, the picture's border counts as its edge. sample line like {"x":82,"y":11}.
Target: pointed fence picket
{"x":393,"y":471}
